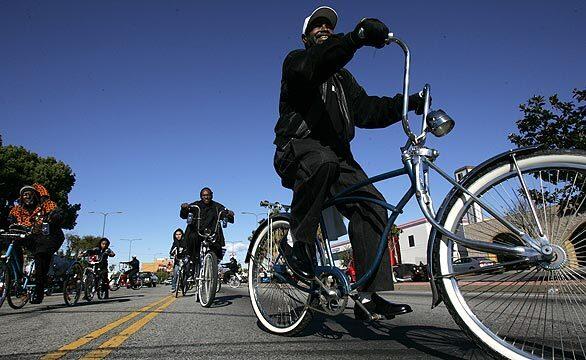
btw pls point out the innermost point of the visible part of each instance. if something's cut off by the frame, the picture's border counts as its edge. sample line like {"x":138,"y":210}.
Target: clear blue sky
{"x":149,"y":101}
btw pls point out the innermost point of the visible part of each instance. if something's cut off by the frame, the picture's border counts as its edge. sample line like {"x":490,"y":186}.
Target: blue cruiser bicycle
{"x":524,"y":209}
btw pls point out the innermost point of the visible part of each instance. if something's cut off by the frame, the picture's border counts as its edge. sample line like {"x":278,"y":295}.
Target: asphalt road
{"x":148,"y":323}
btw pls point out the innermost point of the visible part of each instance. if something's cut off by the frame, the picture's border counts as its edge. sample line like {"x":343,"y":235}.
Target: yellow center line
{"x":110,"y":345}
{"x":62,"y":351}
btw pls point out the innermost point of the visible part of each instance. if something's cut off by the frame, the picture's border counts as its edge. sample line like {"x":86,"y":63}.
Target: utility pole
{"x":104,"y":214}
{"x":130,"y":241}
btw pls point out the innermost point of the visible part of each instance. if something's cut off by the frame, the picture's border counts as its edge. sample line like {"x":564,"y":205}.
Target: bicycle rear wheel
{"x":208,"y":280}
{"x":279,"y":306}
{"x":520,"y":309}
{"x":17,"y":296}
{"x":72,"y":285}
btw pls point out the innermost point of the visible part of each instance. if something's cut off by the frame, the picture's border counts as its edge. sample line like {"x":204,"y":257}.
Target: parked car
{"x":148,"y":278}
{"x":471,"y":263}
{"x":404,"y":272}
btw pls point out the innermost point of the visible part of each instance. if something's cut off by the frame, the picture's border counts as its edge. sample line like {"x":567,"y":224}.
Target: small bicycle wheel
{"x":137,"y":283}
{"x":179,"y":282}
{"x":208,"y":279}
{"x":72,"y":285}
{"x":519,"y":308}
{"x":89,"y":288}
{"x":3,"y":282}
{"x":279,"y":306}
{"x":102,"y":289}
{"x":185,"y":279}
{"x":17,"y":296}
{"x":234,"y":282}
{"x":114,"y":284}
{"x":219,"y":285}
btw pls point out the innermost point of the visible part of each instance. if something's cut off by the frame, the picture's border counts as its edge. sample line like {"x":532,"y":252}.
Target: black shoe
{"x":300,"y":258}
{"x":37,"y":297}
{"x":380,"y":308}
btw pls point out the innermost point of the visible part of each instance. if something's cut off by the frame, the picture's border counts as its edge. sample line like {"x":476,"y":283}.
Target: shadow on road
{"x":440,"y":342}
{"x":81,"y":304}
{"x":222,"y":301}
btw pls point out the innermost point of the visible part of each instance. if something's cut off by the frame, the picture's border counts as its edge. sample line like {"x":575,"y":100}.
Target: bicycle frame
{"x":417,"y":161}
{"x":16,"y":267}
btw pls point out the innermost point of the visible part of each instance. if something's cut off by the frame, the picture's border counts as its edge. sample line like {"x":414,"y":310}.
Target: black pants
{"x":316,"y":173}
{"x":43,"y":248}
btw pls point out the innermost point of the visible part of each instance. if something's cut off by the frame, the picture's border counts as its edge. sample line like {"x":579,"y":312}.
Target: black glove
{"x":417,"y":102}
{"x":374,"y":33}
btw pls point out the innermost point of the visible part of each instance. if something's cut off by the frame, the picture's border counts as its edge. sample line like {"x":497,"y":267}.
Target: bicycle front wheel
{"x":515,"y":308}
{"x":279,"y":306}
{"x":3,"y":282}
{"x":89,"y":288}
{"x":17,"y":295}
{"x":72,"y":286}
{"x":208,"y":282}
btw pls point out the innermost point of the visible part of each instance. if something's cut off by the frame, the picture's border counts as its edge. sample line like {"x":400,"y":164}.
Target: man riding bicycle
{"x":233,"y":268}
{"x":319,"y":107}
{"x":210,"y":213}
{"x":101,"y":269}
{"x":132,"y":273}
{"x":35,"y":210}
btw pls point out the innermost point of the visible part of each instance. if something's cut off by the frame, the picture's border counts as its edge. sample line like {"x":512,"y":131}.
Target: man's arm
{"x":184,"y":211}
{"x":228,"y":214}
{"x":313,"y":66}
{"x":372,"y":112}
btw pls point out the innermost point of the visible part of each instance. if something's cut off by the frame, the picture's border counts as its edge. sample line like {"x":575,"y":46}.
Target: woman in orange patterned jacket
{"x":35,"y":210}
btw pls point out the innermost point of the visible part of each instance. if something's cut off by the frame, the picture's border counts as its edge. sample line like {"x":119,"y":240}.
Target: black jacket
{"x":209,"y":220}
{"x":322,"y":100}
{"x":178,"y":247}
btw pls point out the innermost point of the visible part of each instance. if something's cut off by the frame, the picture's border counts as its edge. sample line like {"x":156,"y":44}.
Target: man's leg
{"x":367,"y":222}
{"x":42,"y":264}
{"x":317,"y":170}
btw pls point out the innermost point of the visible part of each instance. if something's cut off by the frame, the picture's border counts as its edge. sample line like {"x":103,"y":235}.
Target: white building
{"x":412,"y":243}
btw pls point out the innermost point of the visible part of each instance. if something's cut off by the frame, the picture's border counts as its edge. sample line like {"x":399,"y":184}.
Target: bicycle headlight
{"x":439,"y":123}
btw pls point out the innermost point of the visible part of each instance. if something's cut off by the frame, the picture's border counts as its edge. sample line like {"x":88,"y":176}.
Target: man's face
{"x":206,"y":196}
{"x":28,"y":197}
{"x":104,"y":244}
{"x":319,"y":31}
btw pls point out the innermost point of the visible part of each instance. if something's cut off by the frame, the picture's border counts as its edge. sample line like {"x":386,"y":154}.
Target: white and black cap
{"x":322,"y":11}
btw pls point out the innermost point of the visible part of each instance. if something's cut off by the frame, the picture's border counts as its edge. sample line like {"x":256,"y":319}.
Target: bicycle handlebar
{"x":415,"y":139}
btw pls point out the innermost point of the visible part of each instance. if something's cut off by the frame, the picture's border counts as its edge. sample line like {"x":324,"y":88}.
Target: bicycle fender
{"x":432,"y":270}
{"x":263,"y":224}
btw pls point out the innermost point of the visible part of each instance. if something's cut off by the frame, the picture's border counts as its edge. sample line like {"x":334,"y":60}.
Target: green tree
{"x":162,"y":275}
{"x":76,"y":243}
{"x":554,"y":124}
{"x":19,"y":167}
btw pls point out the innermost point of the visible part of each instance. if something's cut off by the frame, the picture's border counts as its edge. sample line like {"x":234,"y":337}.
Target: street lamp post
{"x":256,"y":215}
{"x":130,"y":241}
{"x":104,"y":214}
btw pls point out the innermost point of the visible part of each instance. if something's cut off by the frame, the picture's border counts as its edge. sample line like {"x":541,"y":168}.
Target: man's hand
{"x":184,"y":205}
{"x":374,"y":33}
{"x":417,"y":103}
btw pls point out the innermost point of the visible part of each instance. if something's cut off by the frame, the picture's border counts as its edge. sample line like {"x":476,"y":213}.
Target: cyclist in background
{"x":210,"y":212}
{"x":132,"y":273}
{"x":177,"y":252}
{"x":233,"y":268}
{"x":104,"y":252}
{"x":35,"y":210}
